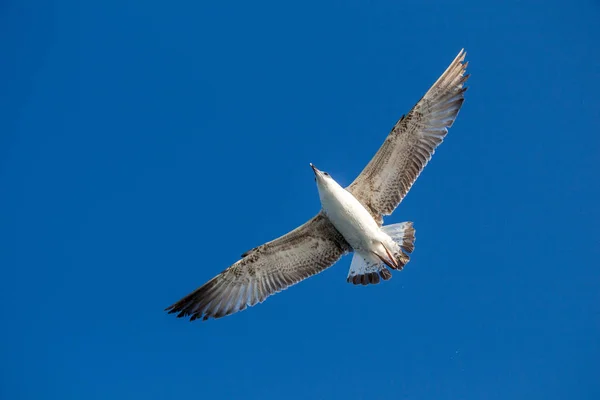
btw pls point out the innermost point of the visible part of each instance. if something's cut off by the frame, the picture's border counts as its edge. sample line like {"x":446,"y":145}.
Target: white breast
{"x":349,"y":216}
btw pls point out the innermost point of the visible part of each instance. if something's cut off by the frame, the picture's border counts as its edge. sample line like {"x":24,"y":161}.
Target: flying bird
{"x":351,"y":218}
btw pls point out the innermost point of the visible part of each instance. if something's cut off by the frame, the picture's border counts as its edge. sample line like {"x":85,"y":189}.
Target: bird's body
{"x":348,"y":216}
{"x":351,"y":219}
{"x":354,"y":222}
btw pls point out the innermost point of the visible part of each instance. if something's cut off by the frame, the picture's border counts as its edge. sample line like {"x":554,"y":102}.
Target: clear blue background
{"x":142,"y":143}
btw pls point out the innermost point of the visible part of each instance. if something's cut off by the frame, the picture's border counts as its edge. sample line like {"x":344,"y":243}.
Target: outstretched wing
{"x":265,"y":270}
{"x":387,"y":178}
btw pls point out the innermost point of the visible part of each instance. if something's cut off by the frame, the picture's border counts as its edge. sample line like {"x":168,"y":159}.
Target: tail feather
{"x":403,"y":234}
{"x":364,"y":272}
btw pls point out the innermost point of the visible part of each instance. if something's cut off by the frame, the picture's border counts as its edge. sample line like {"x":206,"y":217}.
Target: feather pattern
{"x":388,"y":177}
{"x":265,"y":270}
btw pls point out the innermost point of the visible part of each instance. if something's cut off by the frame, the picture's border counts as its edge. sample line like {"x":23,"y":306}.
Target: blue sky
{"x":142,"y":143}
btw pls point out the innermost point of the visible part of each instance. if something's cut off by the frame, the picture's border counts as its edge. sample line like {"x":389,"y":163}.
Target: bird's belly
{"x":352,"y":220}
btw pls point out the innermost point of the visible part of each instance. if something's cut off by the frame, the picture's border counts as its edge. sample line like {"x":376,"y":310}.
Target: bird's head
{"x":325,"y":183}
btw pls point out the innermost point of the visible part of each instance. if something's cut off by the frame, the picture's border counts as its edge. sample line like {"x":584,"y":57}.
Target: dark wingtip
{"x":171,"y":309}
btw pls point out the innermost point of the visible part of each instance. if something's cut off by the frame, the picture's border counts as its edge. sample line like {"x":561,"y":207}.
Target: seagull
{"x":351,"y":218}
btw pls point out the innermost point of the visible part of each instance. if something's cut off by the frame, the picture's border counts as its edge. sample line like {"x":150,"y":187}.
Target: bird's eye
{"x":325,"y":173}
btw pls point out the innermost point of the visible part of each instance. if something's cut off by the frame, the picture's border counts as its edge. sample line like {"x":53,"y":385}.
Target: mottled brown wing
{"x":265,"y":270}
{"x":388,"y":177}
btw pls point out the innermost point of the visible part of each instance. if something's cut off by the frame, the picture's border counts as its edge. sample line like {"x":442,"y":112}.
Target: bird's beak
{"x":315,"y":170}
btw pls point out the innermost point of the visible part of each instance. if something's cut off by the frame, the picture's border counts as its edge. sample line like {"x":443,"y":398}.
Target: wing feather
{"x":388,"y":177}
{"x":265,"y":270}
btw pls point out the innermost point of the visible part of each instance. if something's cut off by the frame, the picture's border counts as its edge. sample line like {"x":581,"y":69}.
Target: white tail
{"x":365,"y":272}
{"x":403,"y":234}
